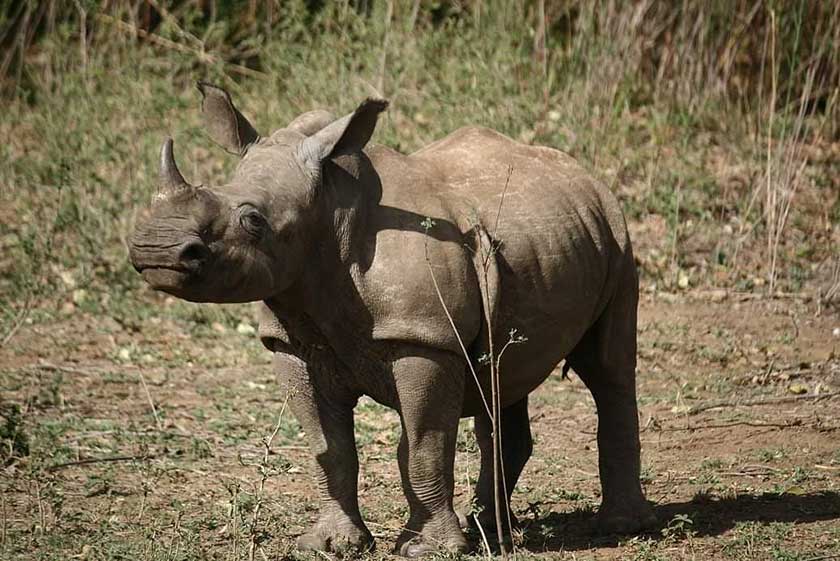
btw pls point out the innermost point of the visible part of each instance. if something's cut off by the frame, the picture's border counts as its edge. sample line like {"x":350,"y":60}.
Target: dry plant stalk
{"x":149,"y":399}
{"x":487,"y":247}
{"x":265,"y":473}
{"x":784,"y":165}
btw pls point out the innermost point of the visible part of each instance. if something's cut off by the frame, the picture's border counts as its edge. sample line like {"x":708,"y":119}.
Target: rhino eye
{"x":252,"y":222}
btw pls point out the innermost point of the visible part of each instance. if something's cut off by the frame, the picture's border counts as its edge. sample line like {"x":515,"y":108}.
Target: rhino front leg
{"x":325,"y":411}
{"x":429,"y":386}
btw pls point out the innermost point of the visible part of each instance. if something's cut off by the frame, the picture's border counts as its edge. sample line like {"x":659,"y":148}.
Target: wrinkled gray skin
{"x":326,"y":232}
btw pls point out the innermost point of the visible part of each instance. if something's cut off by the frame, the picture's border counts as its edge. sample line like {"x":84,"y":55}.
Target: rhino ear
{"x":226,"y":125}
{"x":347,"y":135}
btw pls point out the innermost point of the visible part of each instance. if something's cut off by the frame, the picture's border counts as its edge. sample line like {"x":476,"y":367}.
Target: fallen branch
{"x":50,"y":367}
{"x":752,"y":471}
{"x":100,"y":433}
{"x":733,"y":424}
{"x":763,"y":401}
{"x":108,"y":459}
{"x":172,"y":45}
{"x":824,"y":557}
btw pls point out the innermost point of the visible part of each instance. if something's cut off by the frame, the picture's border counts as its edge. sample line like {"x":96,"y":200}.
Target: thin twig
{"x":498,"y":478}
{"x":764,"y":401}
{"x":5,"y":518}
{"x":500,"y":491}
{"x":383,"y":59}
{"x":501,"y":202}
{"x":264,"y":474}
{"x":150,"y":400}
{"x":427,"y":225}
{"x":483,"y":536}
{"x":21,"y":317}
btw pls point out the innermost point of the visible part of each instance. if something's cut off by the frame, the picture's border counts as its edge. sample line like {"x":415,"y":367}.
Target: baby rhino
{"x":379,"y":273}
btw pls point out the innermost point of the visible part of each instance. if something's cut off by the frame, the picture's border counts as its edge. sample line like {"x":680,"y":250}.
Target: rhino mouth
{"x":167,"y":279}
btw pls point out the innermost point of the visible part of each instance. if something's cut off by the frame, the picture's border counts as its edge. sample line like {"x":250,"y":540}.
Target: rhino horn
{"x":171,"y":180}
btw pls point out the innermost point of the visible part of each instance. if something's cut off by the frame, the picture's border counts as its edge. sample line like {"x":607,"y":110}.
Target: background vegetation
{"x":717,"y":123}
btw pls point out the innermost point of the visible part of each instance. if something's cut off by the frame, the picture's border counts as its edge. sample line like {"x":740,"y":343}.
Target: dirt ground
{"x":147,"y":441}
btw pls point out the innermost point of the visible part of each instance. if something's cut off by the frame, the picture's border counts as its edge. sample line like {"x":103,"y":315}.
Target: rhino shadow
{"x":386,"y":217}
{"x":573,"y":531}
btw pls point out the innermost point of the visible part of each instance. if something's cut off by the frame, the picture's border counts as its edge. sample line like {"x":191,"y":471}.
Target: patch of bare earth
{"x":148,"y":442}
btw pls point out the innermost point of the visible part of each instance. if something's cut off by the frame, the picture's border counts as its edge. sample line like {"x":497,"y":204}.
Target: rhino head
{"x":246,"y":240}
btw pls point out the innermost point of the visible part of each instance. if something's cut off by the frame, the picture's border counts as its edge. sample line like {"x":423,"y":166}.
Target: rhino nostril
{"x":193,"y":255}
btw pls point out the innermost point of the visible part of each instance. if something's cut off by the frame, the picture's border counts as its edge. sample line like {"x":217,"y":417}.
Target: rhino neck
{"x":324,"y":308}
{"x":347,"y":190}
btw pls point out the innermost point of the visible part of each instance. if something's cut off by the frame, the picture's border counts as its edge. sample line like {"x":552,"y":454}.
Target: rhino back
{"x":562,"y":233}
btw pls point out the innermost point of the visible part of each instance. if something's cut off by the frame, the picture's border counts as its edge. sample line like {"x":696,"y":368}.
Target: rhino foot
{"x":436,"y":536}
{"x":625,"y":519}
{"x":342,"y":537}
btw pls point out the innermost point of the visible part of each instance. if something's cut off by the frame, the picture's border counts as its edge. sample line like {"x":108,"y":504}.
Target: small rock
{"x":835,"y":332}
{"x":84,"y":553}
{"x":682,"y":280}
{"x":124,"y":353}
{"x":718,"y":295}
{"x":218,"y":327}
{"x":68,"y":279}
{"x":245,"y":329}
{"x":668,"y":297}
{"x":798,"y":389}
{"x":795,"y":490}
{"x":79,"y":296}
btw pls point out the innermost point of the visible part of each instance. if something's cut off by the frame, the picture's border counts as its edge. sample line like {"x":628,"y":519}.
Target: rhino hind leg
{"x":605,"y":359}
{"x":517,"y":445}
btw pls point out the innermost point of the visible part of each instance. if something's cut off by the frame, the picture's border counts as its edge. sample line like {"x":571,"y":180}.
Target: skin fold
{"x":342,"y":243}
